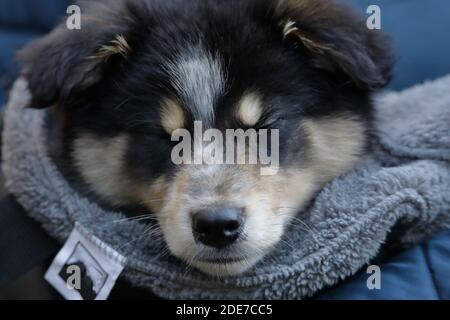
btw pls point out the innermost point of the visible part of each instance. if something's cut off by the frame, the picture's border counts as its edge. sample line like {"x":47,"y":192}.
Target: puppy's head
{"x":138,"y":72}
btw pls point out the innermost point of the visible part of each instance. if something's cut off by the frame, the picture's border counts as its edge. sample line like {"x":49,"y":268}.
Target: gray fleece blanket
{"x":405,"y":182}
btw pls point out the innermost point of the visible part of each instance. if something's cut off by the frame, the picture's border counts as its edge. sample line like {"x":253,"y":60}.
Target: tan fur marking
{"x":314,"y":45}
{"x":100,"y":162}
{"x":155,"y":196}
{"x":250,"y":110}
{"x":172,"y":115}
{"x":337,"y":143}
{"x":117,"y":46}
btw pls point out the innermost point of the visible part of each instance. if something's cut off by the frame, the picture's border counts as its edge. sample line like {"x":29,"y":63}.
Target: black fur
{"x":123,"y":94}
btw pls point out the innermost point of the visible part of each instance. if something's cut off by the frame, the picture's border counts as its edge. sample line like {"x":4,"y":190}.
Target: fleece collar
{"x":405,"y":181}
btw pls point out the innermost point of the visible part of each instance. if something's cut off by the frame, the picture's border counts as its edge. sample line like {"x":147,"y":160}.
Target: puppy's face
{"x":140,"y":71}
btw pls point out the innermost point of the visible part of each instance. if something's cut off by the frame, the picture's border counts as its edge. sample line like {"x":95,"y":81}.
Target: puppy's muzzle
{"x":218,"y":226}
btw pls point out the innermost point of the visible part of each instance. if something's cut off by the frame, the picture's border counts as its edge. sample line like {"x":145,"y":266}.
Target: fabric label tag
{"x":85,"y":268}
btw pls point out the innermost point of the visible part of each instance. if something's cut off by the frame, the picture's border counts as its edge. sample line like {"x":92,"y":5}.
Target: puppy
{"x":139,"y":70}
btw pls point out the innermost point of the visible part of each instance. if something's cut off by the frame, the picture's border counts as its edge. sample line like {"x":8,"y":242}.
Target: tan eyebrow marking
{"x":172,"y":115}
{"x":250,"y":110}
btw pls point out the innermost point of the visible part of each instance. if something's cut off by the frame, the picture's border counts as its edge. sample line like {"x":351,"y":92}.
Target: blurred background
{"x":420,"y":33}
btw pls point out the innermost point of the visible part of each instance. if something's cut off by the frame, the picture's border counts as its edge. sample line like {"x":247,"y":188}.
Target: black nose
{"x":218,"y":227}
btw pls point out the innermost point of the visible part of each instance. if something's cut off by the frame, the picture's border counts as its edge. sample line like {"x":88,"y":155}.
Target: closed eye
{"x":272,"y":123}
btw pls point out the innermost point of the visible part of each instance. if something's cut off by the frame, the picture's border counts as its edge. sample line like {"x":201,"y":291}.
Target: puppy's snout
{"x":218,"y":227}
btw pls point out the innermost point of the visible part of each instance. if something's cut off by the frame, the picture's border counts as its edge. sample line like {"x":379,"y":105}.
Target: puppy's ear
{"x":337,"y":40}
{"x":66,"y":62}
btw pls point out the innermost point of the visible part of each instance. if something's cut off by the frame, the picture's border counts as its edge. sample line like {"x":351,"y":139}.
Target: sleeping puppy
{"x":139,"y":70}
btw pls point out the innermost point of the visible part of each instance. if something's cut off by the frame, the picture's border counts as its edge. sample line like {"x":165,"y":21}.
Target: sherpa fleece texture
{"x":405,"y":183}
